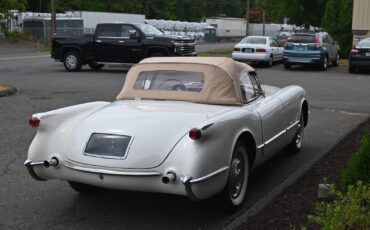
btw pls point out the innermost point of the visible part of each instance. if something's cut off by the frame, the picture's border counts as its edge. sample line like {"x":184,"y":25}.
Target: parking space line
{"x":25,"y":57}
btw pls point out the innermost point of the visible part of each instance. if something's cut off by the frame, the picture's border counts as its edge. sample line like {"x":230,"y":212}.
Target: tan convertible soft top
{"x":221,"y":79}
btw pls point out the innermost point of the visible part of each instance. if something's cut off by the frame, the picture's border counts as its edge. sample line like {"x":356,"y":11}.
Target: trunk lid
{"x":154,"y":127}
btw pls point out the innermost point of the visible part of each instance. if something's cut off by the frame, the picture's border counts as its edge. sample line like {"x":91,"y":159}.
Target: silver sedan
{"x":258,"y":49}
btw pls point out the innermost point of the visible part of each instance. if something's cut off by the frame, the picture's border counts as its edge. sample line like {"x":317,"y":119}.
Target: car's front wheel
{"x":83,"y":188}
{"x":72,"y":61}
{"x":296,"y":144}
{"x":234,"y":193}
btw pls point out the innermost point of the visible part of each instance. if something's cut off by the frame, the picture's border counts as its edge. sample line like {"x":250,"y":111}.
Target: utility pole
{"x":247,"y":18}
{"x":53,"y":19}
{"x":264,"y":22}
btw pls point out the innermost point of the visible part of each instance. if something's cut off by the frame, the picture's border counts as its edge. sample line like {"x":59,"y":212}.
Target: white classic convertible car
{"x":186,"y":126}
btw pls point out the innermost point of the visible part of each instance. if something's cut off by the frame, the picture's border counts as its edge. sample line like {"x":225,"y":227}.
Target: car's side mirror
{"x":133,"y":34}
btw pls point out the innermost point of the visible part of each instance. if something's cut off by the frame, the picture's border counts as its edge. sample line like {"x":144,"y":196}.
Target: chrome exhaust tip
{"x":169,"y":177}
{"x":53,"y":162}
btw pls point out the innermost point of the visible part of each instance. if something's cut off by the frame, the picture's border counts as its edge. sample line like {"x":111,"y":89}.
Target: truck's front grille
{"x":185,"y":47}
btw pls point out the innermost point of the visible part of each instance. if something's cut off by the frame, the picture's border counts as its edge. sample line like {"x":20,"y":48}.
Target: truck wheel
{"x":95,"y":66}
{"x":72,"y":61}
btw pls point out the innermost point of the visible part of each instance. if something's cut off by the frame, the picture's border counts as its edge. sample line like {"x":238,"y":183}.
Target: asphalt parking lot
{"x":339,"y":102}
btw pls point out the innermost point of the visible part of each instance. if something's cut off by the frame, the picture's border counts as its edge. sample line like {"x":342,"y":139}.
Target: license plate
{"x":248,"y":50}
{"x":300,"y":48}
{"x":367,"y":54}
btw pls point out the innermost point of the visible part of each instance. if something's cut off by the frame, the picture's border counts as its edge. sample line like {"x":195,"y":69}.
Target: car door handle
{"x":121,"y":41}
{"x":98,"y":40}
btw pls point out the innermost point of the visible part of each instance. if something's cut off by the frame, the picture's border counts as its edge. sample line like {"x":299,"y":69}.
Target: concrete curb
{"x":262,"y":203}
{"x":7,"y":90}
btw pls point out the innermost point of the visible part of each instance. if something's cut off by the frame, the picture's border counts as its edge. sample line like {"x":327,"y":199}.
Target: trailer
{"x":91,"y":19}
{"x":228,"y":28}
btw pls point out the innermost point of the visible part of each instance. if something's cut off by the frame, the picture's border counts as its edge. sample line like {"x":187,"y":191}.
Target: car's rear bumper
{"x":363,"y":62}
{"x":250,"y":57}
{"x":131,"y":180}
{"x":302,"y":60}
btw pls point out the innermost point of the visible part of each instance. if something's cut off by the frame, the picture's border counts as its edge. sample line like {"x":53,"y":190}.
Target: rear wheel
{"x":72,"y":61}
{"x":336,"y":61}
{"x":83,"y":188}
{"x":296,"y":145}
{"x":95,"y":66}
{"x":269,"y":63}
{"x":351,"y":69}
{"x":324,"y":64}
{"x":234,"y":193}
{"x":287,"y":66}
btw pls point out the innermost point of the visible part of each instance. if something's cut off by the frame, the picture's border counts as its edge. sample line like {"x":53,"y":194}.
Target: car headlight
{"x":108,"y":145}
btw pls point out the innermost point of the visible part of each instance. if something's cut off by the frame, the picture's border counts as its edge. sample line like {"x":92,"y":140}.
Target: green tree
{"x":300,"y":12}
{"x":5,"y":15}
{"x":337,"y":20}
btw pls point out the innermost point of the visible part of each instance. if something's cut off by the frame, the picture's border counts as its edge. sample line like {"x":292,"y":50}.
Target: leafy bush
{"x":358,"y":168}
{"x":13,"y":36}
{"x":350,"y":210}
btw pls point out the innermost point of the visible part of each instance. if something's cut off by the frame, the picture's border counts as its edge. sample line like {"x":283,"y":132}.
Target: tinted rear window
{"x":302,"y":39}
{"x":254,"y":40}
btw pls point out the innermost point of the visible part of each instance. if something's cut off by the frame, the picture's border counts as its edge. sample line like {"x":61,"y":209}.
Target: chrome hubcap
{"x":237,"y":171}
{"x":299,"y":136}
{"x":71,"y":61}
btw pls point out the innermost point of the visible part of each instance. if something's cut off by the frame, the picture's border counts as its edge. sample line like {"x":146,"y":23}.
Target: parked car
{"x":311,"y":49}
{"x":282,"y":36}
{"x":258,"y":49}
{"x":119,"y":43}
{"x":186,"y":126}
{"x":359,"y":57}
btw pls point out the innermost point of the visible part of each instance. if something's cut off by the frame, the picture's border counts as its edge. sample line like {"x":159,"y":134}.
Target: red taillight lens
{"x":260,"y":50}
{"x":34,"y":122}
{"x":354,"y":50}
{"x":195,"y":134}
{"x":236,"y":49}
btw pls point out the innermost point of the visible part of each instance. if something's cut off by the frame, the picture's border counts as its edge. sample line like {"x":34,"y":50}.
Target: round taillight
{"x":195,"y":134}
{"x":34,"y":122}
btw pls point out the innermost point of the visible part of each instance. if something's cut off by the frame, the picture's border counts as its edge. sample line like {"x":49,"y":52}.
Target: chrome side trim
{"x":201,"y":179}
{"x":29,"y":165}
{"x":292,"y":125}
{"x":111,"y":172}
{"x":278,"y":135}
{"x":275,"y":137}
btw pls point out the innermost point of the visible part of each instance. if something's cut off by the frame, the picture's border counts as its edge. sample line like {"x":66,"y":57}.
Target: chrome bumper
{"x":188,"y":181}
{"x":29,"y":165}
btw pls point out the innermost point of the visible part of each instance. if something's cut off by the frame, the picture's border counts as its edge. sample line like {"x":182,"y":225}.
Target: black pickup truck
{"x":118,"y":43}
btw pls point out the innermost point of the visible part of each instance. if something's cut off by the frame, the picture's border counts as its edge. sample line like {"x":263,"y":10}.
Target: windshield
{"x":149,"y":30}
{"x":365,"y":43}
{"x":254,"y":40}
